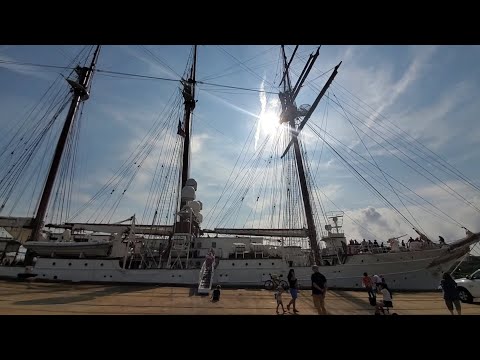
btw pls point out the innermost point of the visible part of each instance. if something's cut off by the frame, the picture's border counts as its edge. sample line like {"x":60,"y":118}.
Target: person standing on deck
{"x":319,"y":289}
{"x":293,"y":284}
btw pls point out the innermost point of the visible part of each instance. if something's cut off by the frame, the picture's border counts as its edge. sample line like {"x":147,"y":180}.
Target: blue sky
{"x":431,"y":92}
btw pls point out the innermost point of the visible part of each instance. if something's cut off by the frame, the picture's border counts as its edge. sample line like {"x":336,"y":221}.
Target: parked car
{"x":469,"y":287}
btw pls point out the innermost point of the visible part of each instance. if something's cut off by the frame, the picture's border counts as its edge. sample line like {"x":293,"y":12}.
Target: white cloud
{"x":199,"y":141}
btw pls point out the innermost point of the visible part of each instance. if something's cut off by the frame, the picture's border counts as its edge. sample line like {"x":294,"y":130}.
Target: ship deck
{"x":30,"y":298}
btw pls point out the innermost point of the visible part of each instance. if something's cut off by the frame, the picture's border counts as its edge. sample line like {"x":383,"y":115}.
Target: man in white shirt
{"x":377,"y":280}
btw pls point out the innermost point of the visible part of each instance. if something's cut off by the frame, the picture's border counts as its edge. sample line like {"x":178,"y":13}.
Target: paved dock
{"x":29,"y":298}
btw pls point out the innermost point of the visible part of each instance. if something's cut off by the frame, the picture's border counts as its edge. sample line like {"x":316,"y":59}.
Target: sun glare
{"x":269,"y":122}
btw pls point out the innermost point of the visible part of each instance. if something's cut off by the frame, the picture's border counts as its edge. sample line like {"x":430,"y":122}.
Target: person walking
{"x":293,"y":284}
{"x":450,"y":294}
{"x":319,"y":289}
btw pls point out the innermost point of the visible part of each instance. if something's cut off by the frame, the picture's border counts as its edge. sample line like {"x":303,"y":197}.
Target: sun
{"x":269,"y":122}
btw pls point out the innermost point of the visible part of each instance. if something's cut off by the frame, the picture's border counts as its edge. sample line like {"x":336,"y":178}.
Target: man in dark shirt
{"x":319,"y":288}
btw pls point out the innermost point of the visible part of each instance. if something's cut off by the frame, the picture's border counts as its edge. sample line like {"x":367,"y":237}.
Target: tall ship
{"x":286,"y":225}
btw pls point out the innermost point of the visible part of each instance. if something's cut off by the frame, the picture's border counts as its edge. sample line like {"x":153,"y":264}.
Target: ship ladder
{"x":205,"y":279}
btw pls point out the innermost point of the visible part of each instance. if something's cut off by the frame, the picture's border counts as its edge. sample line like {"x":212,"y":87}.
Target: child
{"x":278,"y":296}
{"x":216,"y":294}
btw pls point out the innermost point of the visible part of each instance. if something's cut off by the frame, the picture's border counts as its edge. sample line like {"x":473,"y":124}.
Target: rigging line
{"x":159,"y":60}
{"x":314,"y":68}
{"x":313,"y":191}
{"x":18,"y":155}
{"x":321,"y":149}
{"x":156,"y":195}
{"x":391,"y":177}
{"x":237,"y":87}
{"x":231,"y":173}
{"x":242,"y":187}
{"x":312,"y":184}
{"x":410,"y":200}
{"x":165,"y":145}
{"x":376,"y":113}
{"x":276,"y":174}
{"x":274,"y":189}
{"x":167,"y":183}
{"x":376,"y":164}
{"x":247,"y":178}
{"x":366,"y":181}
{"x":136,"y":75}
{"x":319,"y":76}
{"x":131,"y":158}
{"x":356,"y":222}
{"x":177,"y":80}
{"x":128,"y":77}
{"x":140,"y":160}
{"x":206,"y":122}
{"x":263,"y":187}
{"x":73,"y":166}
{"x":18,"y":132}
{"x":411,"y":144}
{"x":243,"y":62}
{"x":161,"y":188}
{"x":25,"y":158}
{"x":419,"y":165}
{"x":231,"y":92}
{"x":314,"y":177}
{"x":29,"y":113}
{"x":174,"y":193}
{"x":246,"y":67}
{"x":36,"y":65}
{"x":259,"y":66}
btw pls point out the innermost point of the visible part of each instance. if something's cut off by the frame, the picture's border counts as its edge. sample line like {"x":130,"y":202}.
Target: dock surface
{"x":31,"y":298}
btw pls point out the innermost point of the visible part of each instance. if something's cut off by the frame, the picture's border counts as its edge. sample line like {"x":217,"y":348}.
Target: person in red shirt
{"x":368,"y":285}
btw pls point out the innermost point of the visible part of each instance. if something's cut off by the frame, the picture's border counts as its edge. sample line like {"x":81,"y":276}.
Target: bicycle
{"x":274,"y":282}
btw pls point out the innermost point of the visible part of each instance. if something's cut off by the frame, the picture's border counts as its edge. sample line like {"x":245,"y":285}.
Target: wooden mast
{"x":80,"y":93}
{"x":189,"y":97}
{"x":289,"y":114}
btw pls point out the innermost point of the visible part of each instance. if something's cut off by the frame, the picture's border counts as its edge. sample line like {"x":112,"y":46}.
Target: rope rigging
{"x":348,"y":153}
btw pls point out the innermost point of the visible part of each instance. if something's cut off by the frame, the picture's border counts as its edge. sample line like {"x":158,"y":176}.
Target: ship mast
{"x":189,"y":97}
{"x":289,"y":114}
{"x":80,"y":93}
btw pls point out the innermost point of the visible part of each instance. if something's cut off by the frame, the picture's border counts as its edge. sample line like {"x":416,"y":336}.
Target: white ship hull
{"x":402,"y":271}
